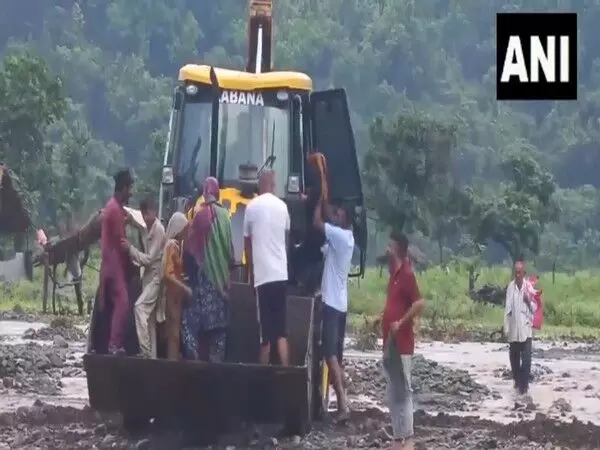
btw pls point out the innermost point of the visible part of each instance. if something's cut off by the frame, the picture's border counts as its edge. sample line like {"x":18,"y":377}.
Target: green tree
{"x":449,"y":209}
{"x":517,"y":217}
{"x":31,"y":99}
{"x":406,"y":159}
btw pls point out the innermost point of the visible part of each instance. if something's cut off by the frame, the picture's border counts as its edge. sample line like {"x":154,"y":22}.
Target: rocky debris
{"x":18,"y":316}
{"x":561,"y":406}
{"x":60,"y":335}
{"x":525,"y":404}
{"x":538,"y":372}
{"x":368,"y":334}
{"x":489,"y":293}
{"x":32,"y":368}
{"x":456,"y":333}
{"x":431,"y":382}
{"x":564,"y":350}
{"x":44,"y":426}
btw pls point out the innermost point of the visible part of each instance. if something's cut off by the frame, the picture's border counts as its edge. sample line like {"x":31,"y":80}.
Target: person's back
{"x":115,"y":261}
{"x":338,"y":260}
{"x":108,"y":247}
{"x":334,"y":291}
{"x":270,"y":221}
{"x":266,"y":226}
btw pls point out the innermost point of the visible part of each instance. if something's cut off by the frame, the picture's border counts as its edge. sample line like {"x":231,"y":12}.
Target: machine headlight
{"x":191,"y":89}
{"x":167,"y":175}
{"x":294,"y":184}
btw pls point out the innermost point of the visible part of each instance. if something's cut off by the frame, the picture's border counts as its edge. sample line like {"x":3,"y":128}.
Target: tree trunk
{"x":441,"y":251}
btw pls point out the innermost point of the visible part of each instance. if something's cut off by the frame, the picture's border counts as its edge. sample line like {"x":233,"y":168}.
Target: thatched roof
{"x":14,"y":218}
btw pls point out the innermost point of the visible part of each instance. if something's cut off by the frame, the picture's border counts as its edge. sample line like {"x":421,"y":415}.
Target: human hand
{"x":303,"y":197}
{"x":125,"y":244}
{"x":395,"y":326}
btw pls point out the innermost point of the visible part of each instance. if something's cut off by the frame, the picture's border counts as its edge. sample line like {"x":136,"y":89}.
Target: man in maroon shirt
{"x":113,"y":283}
{"x":403,"y":305}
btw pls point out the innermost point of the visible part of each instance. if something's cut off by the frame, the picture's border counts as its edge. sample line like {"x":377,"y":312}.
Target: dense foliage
{"x":428,"y":61}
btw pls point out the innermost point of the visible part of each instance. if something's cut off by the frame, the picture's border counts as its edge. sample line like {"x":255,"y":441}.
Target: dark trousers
{"x":520,"y":364}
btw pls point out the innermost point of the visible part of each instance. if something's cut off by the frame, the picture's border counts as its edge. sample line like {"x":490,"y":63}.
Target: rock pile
{"x":364,"y":377}
{"x":17,"y":316}
{"x":31,"y":368}
{"x":538,"y":371}
{"x":65,"y":333}
{"x":44,"y":426}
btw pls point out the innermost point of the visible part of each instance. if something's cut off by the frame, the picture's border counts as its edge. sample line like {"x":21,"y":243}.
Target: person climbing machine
{"x":209,"y":243}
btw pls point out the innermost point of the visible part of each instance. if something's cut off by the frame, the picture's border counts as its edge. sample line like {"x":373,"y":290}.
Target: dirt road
{"x":464,"y":400}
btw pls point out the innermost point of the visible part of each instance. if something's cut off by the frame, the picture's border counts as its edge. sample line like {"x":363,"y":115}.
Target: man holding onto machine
{"x":338,"y":250}
{"x":315,"y":187}
{"x":266,"y":230}
{"x":113,"y":284}
{"x":154,"y":239}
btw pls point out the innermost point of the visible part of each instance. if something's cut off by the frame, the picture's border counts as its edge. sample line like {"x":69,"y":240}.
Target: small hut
{"x":14,"y":218}
{"x":16,"y":223}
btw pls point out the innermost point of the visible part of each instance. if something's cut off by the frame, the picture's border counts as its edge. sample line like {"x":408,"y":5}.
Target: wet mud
{"x":43,"y":426}
{"x":463,"y":396}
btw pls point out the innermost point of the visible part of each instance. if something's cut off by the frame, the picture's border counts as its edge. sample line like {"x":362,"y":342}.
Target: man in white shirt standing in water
{"x":338,"y":251}
{"x":266,"y":229}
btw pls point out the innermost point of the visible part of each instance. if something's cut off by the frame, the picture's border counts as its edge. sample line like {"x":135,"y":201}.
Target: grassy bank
{"x":571,"y":304}
{"x":27,"y":296}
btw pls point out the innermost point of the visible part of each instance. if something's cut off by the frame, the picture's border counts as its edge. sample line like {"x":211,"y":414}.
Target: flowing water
{"x":566,"y":386}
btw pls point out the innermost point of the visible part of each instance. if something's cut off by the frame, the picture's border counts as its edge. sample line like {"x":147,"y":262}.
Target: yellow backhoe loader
{"x":231,"y":124}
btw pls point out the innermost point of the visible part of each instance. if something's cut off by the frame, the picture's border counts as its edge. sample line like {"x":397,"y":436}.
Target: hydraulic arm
{"x":260,"y":36}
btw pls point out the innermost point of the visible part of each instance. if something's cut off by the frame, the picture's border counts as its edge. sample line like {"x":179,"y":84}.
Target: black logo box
{"x":526,"y":25}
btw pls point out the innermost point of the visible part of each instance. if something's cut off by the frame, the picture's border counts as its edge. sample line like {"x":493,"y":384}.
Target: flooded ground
{"x":566,"y":384}
{"x":464,"y":399}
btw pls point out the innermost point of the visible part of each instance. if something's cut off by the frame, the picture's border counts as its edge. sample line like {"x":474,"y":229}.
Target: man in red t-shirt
{"x":402,"y":306}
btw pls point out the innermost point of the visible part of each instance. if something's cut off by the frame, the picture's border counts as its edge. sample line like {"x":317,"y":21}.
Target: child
{"x":175,"y":290}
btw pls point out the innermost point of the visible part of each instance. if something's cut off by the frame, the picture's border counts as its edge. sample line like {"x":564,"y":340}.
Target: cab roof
{"x":244,"y":81}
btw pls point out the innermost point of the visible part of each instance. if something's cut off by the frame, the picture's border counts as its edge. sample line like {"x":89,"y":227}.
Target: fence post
{"x":45,"y":291}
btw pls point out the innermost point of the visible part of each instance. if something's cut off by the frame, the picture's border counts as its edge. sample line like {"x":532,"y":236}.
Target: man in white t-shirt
{"x":266,"y":228}
{"x":338,"y":251}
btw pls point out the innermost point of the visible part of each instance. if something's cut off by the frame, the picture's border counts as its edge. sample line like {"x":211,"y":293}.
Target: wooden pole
{"x":54,"y":289}
{"x":45,"y":292}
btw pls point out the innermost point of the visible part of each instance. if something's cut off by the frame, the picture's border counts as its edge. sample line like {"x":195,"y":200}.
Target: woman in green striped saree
{"x":210,"y":249}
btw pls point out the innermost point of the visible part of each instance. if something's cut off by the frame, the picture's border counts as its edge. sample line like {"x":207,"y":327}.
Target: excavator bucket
{"x":217,"y":396}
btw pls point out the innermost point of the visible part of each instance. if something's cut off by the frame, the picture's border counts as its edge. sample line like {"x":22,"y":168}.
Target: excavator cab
{"x":232,"y":125}
{"x":330,"y":132}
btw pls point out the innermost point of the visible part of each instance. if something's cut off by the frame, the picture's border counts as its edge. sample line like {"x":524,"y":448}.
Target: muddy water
{"x":574,"y":380}
{"x":11,"y":331}
{"x":567,"y":373}
{"x":568,"y":384}
{"x":73,"y":389}
{"x":569,"y":388}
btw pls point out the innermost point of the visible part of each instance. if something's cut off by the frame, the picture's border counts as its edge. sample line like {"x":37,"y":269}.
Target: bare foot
{"x":343,"y":416}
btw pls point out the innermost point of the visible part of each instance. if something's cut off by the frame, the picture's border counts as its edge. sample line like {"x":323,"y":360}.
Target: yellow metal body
{"x":244,"y":81}
{"x":325,"y":383}
{"x":229,"y":197}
